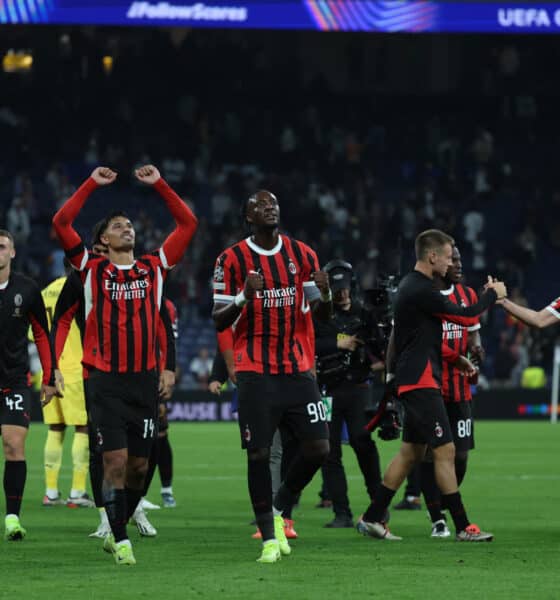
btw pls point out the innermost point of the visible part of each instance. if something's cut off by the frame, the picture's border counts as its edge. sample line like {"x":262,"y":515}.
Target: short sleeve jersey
{"x":122,"y":305}
{"x":455,"y":386}
{"x":270,"y":336}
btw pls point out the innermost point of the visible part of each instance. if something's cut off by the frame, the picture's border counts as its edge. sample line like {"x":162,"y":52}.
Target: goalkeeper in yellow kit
{"x":69,"y":410}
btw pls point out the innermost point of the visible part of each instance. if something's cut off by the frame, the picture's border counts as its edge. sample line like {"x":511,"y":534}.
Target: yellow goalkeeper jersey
{"x":70,"y":360}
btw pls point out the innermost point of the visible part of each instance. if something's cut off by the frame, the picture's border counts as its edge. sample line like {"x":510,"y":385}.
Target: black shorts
{"x":267,"y":402}
{"x":425,"y":418}
{"x":462,"y":425}
{"x":15,"y":408}
{"x":124,"y":410}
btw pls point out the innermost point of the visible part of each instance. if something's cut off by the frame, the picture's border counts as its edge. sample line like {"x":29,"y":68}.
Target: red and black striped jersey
{"x":122,"y":302}
{"x":455,"y":386}
{"x":554,"y":308}
{"x":419,"y":312}
{"x":122,"y":306}
{"x":271,"y":334}
{"x":21,"y":306}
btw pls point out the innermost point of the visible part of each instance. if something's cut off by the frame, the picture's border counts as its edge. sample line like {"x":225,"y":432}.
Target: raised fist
{"x":103,"y":175}
{"x":147,"y":174}
{"x":253,"y":282}
{"x":321,"y":280}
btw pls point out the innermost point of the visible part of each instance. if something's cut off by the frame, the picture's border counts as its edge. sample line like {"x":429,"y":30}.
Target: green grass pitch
{"x":204,"y":549}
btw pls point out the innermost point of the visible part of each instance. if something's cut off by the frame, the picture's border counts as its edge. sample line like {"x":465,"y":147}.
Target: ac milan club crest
{"x":292,"y":268}
{"x":438,"y":430}
{"x":247,"y":434}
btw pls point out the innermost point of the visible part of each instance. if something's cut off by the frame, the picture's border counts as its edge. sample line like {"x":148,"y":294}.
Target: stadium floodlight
{"x":17,"y":61}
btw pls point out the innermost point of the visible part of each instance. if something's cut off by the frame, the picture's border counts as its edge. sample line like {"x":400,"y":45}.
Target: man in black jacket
{"x":337,"y":344}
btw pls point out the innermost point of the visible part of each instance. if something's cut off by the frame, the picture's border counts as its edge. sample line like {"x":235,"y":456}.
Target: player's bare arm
{"x":540,"y":319}
{"x":225,"y":314}
{"x":476,"y":350}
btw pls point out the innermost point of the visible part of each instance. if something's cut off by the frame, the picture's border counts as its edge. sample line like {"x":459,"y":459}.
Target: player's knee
{"x":13,"y":450}
{"x":258,"y":454}
{"x":445,"y":453}
{"x":114,"y":465}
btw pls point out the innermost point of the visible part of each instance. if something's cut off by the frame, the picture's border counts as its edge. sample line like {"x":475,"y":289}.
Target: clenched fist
{"x":253,"y":283}
{"x":103,"y":175}
{"x":321,"y":280}
{"x":147,"y":174}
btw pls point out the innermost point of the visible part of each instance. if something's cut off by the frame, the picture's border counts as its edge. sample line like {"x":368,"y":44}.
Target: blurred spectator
{"x":201,"y":367}
{"x":17,"y":223}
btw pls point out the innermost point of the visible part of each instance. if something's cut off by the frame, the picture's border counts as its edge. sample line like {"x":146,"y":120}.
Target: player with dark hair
{"x":262,"y":284}
{"x":414,"y":358}
{"x":455,"y":389}
{"x":123,"y":296}
{"x":21,"y":306}
{"x":70,"y":308}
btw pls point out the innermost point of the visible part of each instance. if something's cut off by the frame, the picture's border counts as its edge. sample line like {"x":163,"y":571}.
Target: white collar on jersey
{"x":4,"y":285}
{"x":124,"y":267}
{"x":262,"y":251}
{"x":449,"y":291}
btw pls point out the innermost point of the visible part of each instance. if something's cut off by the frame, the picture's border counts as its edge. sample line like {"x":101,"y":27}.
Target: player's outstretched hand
{"x":103,"y":175}
{"x":47,"y":394}
{"x":253,"y":283}
{"x":321,"y":279}
{"x":498,"y":286}
{"x":147,"y":174}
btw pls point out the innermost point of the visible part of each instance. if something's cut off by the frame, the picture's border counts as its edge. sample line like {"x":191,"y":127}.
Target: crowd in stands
{"x":357,"y":176}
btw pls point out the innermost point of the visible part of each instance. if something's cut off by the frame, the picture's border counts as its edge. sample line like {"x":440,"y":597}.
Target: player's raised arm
{"x":62,"y":221}
{"x":178,"y":240}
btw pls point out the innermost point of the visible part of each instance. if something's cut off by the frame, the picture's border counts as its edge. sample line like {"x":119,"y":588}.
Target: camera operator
{"x":341,"y":358}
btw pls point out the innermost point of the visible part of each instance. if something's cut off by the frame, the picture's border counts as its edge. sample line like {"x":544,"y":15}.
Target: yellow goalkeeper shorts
{"x":69,"y":410}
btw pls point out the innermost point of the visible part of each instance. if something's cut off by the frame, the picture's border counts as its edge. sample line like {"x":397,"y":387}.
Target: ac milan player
{"x":455,"y":389}
{"x":414,"y":372}
{"x":70,"y":307}
{"x":123,"y":297}
{"x":259,"y":285}
{"x":21,"y":305}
